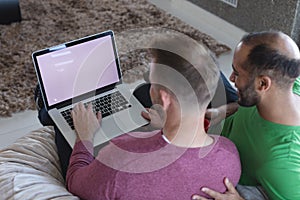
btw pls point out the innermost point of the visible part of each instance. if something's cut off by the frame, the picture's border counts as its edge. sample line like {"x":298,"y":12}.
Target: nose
{"x":232,"y":77}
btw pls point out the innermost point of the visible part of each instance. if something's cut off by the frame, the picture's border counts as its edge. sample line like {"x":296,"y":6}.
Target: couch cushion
{"x":30,"y":169}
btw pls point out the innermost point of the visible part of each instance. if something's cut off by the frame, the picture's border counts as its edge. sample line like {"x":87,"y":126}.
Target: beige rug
{"x":48,"y":23}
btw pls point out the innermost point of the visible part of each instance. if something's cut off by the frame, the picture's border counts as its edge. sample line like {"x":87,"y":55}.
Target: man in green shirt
{"x":266,"y":126}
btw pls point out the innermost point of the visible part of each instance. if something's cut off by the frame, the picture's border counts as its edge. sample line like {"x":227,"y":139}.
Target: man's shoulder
{"x":223,"y":148}
{"x":226,"y":158}
{"x":226,"y":145}
{"x":138,"y":141}
{"x":125,"y":151}
{"x":242,"y":114}
{"x":135,"y":136}
{"x":239,"y":120}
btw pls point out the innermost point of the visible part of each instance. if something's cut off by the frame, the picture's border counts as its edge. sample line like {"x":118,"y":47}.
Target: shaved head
{"x":271,"y":53}
{"x":275,"y":40}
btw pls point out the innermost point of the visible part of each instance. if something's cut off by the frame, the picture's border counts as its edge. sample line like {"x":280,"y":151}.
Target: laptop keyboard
{"x":107,"y":105}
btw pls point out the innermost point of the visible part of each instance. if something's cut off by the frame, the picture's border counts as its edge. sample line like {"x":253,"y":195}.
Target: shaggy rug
{"x":48,"y":23}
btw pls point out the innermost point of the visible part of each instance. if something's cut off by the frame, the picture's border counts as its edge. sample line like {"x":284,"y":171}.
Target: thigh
{"x":252,"y":192}
{"x":142,"y":93}
{"x":64,"y":151}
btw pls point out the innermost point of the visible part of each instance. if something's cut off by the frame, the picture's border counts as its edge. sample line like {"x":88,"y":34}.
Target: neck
{"x":187,"y":132}
{"x":281,"y":108}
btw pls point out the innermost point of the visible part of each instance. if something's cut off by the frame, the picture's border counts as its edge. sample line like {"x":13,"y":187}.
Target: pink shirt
{"x":145,"y":166}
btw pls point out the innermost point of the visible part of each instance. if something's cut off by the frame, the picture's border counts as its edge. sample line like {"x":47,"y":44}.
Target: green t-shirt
{"x":269,"y":152}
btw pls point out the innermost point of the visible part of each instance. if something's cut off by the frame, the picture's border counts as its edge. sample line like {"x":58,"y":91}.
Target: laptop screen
{"x":76,"y":68}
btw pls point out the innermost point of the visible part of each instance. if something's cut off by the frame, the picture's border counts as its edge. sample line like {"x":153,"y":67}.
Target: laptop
{"x":87,"y":70}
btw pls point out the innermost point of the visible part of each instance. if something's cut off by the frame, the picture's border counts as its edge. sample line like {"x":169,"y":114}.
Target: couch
{"x":30,"y":169}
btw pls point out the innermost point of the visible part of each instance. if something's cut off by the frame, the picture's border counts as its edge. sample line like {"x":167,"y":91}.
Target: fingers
{"x":229,"y":186}
{"x":230,"y":194}
{"x":208,"y":114}
{"x":81,"y":109}
{"x":211,"y":113}
{"x":89,"y":107}
{"x":146,"y":115}
{"x":77,"y":108}
{"x":197,"y":197}
{"x":99,"y":116}
{"x":212,"y":193}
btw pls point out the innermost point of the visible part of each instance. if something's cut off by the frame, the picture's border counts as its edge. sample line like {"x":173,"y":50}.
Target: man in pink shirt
{"x":180,"y":156}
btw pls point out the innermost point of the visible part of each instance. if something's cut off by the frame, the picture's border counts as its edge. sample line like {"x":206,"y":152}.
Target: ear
{"x":263,"y":83}
{"x":165,"y":98}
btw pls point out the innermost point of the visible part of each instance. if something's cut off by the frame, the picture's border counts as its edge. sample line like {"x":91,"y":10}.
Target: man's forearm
{"x":216,"y":115}
{"x":231,"y":108}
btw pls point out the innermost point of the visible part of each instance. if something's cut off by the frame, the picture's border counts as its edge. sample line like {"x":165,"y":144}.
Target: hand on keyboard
{"x":85,"y":122}
{"x":107,"y":105}
{"x":155,"y":115}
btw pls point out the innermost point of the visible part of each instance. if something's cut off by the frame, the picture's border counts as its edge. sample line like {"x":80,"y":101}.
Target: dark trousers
{"x":225,"y":94}
{"x":63,"y":148}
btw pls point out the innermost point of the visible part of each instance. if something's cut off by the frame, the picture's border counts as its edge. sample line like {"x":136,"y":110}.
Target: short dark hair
{"x":265,"y":58}
{"x":200,"y":70}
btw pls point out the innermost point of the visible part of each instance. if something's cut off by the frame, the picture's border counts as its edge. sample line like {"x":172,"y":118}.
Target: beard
{"x":248,"y":96}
